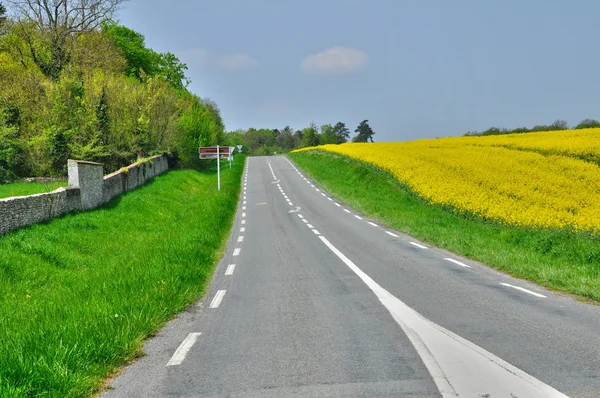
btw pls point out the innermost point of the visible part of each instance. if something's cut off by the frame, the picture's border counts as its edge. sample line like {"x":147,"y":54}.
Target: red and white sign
{"x":211,"y":152}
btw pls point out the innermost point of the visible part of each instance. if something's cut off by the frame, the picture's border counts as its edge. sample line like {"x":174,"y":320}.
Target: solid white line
{"x":373,"y":224}
{"x":243,"y":221}
{"x":309,"y":226}
{"x":316,"y":232}
{"x":418,"y":245}
{"x":217,"y":299}
{"x":300,"y":216}
{"x":359,"y":217}
{"x":480,"y":372}
{"x":524,"y":290}
{"x":183,"y":349}
{"x":457,"y":262}
{"x":242,"y":229}
{"x":236,"y":251}
{"x":230,"y":269}
{"x":240,"y":239}
{"x":391,"y":234}
{"x":347,"y":211}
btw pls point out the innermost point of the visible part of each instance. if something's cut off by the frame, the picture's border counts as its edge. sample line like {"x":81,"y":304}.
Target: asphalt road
{"x":311,"y":299}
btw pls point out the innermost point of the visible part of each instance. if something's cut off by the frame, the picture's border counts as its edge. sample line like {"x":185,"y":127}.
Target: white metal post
{"x":218,"y":168}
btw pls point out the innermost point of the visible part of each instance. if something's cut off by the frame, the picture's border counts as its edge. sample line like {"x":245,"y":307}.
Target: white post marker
{"x":218,"y":169}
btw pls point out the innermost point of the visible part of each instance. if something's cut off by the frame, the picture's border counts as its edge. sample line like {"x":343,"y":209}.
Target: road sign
{"x":239,"y":148}
{"x":217,"y":152}
{"x":211,"y":152}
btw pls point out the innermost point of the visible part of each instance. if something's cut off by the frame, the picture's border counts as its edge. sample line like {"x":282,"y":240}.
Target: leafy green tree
{"x":341,"y":132}
{"x":328,"y":135}
{"x":587,"y":124}
{"x":559,"y":125}
{"x":140,"y":59}
{"x":59,"y":152}
{"x":286,"y":140}
{"x":103,"y":119}
{"x":2,"y":14}
{"x":310,"y":136}
{"x":365,"y":132}
{"x":172,"y":69}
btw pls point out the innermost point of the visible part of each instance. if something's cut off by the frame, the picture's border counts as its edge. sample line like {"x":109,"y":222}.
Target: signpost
{"x":217,"y":152}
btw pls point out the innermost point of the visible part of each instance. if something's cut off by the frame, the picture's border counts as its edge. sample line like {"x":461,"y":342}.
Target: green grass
{"x":28,"y":188}
{"x":79,"y":295}
{"x":560,"y":260}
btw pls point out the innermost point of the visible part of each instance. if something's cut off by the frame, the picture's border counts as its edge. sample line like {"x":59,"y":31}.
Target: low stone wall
{"x":87,"y":189}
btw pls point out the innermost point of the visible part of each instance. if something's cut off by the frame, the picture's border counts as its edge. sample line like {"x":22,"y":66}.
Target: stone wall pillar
{"x":89,"y":177}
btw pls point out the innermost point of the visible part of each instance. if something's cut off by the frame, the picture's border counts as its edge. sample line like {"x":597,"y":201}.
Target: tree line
{"x":75,"y":84}
{"x":269,"y":141}
{"x":555,"y":126}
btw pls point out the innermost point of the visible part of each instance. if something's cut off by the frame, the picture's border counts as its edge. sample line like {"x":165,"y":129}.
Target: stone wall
{"x":87,"y":189}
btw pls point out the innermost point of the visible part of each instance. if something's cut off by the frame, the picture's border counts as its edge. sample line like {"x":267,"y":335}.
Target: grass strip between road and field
{"x":560,"y":260}
{"x":29,"y":188}
{"x":79,"y":294}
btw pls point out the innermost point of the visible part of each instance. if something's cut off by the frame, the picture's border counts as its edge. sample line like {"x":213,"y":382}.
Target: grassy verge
{"x":28,"y":188}
{"x":559,"y":260}
{"x":78,"y":295}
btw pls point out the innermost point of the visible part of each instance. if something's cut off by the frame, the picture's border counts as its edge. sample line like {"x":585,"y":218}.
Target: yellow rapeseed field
{"x":532,"y":180}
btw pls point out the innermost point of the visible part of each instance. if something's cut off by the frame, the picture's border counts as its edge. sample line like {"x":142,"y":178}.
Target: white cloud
{"x":335,"y":60}
{"x":233,"y":61}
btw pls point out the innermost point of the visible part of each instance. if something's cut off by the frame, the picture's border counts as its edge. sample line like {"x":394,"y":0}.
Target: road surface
{"x":312,"y":299}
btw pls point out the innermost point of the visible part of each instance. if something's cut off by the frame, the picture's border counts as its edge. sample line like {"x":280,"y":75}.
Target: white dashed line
{"x":240,"y":239}
{"x":418,"y":245}
{"x":457,"y":262}
{"x":216,"y":301}
{"x":524,"y":290}
{"x":330,"y":199}
{"x":243,"y":221}
{"x":243,"y":229}
{"x":373,"y":224}
{"x":183,"y":349}
{"x":244,"y":208}
{"x":391,"y":234}
{"x":316,"y":232}
{"x":317,"y":189}
{"x":300,"y":216}
{"x":236,"y":252}
{"x":337,"y":204}
{"x":322,"y":194}
{"x":243,"y":214}
{"x":347,"y":211}
{"x":359,"y":217}
{"x":230,"y":269}
{"x":309,"y":226}
{"x":305,"y":220}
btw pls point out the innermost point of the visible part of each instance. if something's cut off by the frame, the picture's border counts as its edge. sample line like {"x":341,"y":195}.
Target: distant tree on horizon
{"x":365,"y":132}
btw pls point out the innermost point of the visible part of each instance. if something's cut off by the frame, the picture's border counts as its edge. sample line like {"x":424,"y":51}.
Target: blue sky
{"x":413,"y":68}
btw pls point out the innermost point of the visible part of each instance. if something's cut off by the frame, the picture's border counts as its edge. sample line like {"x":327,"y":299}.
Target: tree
{"x":310,"y":136}
{"x":328,"y":135}
{"x":2,"y":14}
{"x":342,"y":133}
{"x":285,"y":140}
{"x":140,"y":59}
{"x":559,"y":125}
{"x":588,"y":124}
{"x":103,"y":119}
{"x":50,"y":26}
{"x":365,"y":132}
{"x":172,"y":69}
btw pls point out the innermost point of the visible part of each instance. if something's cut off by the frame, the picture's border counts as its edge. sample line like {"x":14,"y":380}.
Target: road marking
{"x":391,"y":234}
{"x":290,"y":203}
{"x":243,"y":229}
{"x":217,"y":299}
{"x":347,"y":211}
{"x":305,"y":221}
{"x":316,"y":232}
{"x":330,"y":199}
{"x":323,"y":194}
{"x":337,"y":204}
{"x":243,"y":221}
{"x":524,"y":290}
{"x":418,"y":245}
{"x":317,"y":189}
{"x":240,"y":239}
{"x":261,"y":204}
{"x":359,"y":217}
{"x":230,"y":269}
{"x":244,"y":202}
{"x":300,"y":216}
{"x":243,"y":214}
{"x":373,"y":224}
{"x":309,"y":225}
{"x":244,"y":196}
{"x":480,"y":373}
{"x":183,"y":349}
{"x":244,"y":208}
{"x":457,"y":262}
{"x":236,"y":251}
{"x":312,"y":185}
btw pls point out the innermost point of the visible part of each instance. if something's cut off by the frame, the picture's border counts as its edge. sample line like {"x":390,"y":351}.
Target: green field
{"x":560,"y":260}
{"x":28,"y":188}
{"x":79,"y":295}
